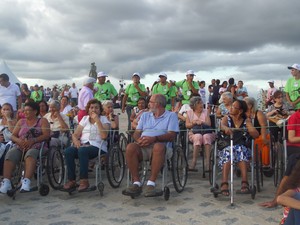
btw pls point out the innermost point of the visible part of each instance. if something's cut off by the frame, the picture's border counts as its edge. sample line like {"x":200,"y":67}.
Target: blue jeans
{"x":84,"y":154}
{"x":294,"y":214}
{"x":129,"y":109}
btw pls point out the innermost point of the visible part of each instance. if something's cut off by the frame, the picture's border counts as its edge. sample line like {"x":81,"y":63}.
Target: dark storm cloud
{"x":58,"y":39}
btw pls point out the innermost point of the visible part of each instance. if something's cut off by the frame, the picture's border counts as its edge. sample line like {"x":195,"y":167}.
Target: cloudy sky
{"x":56,"y":40}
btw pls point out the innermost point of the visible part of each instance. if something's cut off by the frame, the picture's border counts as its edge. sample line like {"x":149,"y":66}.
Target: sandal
{"x":245,"y":188}
{"x":224,"y":192}
{"x":69,"y":185}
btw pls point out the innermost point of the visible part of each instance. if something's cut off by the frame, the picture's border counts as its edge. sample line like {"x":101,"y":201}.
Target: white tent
{"x":5,"y":69}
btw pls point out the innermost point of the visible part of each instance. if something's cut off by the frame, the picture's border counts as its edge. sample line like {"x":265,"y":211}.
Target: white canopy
{"x":5,"y":69}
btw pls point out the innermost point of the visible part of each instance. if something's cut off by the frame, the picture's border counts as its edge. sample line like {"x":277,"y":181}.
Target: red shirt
{"x":294,"y":124}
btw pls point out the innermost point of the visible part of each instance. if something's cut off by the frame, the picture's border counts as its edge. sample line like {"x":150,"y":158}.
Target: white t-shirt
{"x":91,"y":134}
{"x":9,"y":95}
{"x":67,"y":109}
{"x":73,"y":92}
{"x":54,"y":124}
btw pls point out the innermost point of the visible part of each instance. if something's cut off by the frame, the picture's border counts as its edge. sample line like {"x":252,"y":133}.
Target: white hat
{"x":190,"y":72}
{"x":162,"y":74}
{"x":136,"y":74}
{"x":88,"y":80}
{"x":271,"y":81}
{"x":101,"y":74}
{"x":294,"y":66}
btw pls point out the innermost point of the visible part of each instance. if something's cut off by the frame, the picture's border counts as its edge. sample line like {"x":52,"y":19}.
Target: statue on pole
{"x":93,"y":71}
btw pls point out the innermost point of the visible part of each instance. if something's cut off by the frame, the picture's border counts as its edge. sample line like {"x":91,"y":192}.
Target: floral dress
{"x":241,"y":151}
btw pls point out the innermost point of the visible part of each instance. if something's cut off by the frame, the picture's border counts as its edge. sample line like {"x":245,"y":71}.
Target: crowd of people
{"x":33,"y":115}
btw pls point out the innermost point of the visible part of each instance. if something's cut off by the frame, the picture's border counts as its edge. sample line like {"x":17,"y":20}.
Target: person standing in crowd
{"x":166,"y":89}
{"x":85,"y":95}
{"x":241,"y":91}
{"x":189,"y":87}
{"x":216,"y":95}
{"x":232,"y":87}
{"x":121,"y":94}
{"x":223,"y":87}
{"x":10,"y":93}
{"x":270,"y":93}
{"x":292,"y":87}
{"x":65,"y":91}
{"x":55,"y":93}
{"x":202,"y":92}
{"x":104,"y":90}
{"x":210,"y":94}
{"x":74,"y":94}
{"x":25,"y":92}
{"x":133,"y":92}
{"x":36,"y":94}
{"x":47,"y":94}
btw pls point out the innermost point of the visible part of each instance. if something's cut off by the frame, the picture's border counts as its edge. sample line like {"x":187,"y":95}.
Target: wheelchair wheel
{"x":55,"y":168}
{"x":258,"y":174}
{"x":211,"y":167}
{"x":179,"y":169}
{"x":115,"y":166}
{"x":166,"y":193}
{"x":123,"y":141}
{"x":279,"y":164}
{"x":44,"y":189}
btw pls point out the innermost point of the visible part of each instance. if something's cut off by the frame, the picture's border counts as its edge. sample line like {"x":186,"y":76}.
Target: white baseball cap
{"x":136,"y":74}
{"x":101,"y":74}
{"x":294,"y":66}
{"x":162,"y":74}
{"x":190,"y":72}
{"x":271,"y":81}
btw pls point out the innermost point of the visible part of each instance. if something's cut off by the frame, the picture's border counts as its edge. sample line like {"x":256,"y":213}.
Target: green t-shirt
{"x":186,"y":91}
{"x":105,"y":91}
{"x":293,"y":88}
{"x":133,"y":94}
{"x":36,"y":96}
{"x":169,"y":93}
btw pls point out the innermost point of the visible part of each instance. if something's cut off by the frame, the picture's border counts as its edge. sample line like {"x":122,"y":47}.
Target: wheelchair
{"x":55,"y":162}
{"x":112,"y":162}
{"x":115,"y":162}
{"x":175,"y":163}
{"x":279,"y":153}
{"x":40,"y":168}
{"x":188,"y":145}
{"x":216,"y":171}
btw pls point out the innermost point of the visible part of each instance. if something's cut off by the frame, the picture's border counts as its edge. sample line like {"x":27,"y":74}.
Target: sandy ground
{"x":195,"y":205}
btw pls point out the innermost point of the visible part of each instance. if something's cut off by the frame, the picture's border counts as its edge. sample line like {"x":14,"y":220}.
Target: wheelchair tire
{"x":44,"y":189}
{"x":279,"y":164}
{"x":211,"y":167}
{"x":257,"y":168}
{"x":115,"y":166}
{"x":100,"y":187}
{"x":123,"y":141}
{"x":55,"y":169}
{"x":179,"y":169}
{"x":166,"y":193}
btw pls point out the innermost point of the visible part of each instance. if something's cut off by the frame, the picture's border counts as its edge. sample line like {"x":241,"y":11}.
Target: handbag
{"x":223,"y":141}
{"x":202,"y":129}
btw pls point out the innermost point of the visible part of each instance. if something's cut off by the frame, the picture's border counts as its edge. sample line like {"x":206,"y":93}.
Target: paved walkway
{"x":195,"y":205}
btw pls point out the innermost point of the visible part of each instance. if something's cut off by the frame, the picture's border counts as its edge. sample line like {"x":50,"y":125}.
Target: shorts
{"x":147,"y":152}
{"x":15,"y":154}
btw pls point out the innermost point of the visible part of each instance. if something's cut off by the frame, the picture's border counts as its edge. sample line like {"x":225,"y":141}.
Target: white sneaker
{"x":5,"y":186}
{"x":25,"y":185}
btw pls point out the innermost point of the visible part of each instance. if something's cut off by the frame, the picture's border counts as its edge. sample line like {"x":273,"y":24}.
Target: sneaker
{"x":152,"y":192}
{"x":132,"y":190}
{"x":5,"y":186}
{"x":25,"y":185}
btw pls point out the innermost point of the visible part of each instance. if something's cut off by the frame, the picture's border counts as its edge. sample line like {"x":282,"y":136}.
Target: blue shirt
{"x":152,"y":126}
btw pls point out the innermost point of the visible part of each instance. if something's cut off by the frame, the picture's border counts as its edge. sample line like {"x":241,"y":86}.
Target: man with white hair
{"x":104,"y":90}
{"x":165,"y":88}
{"x":85,"y":95}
